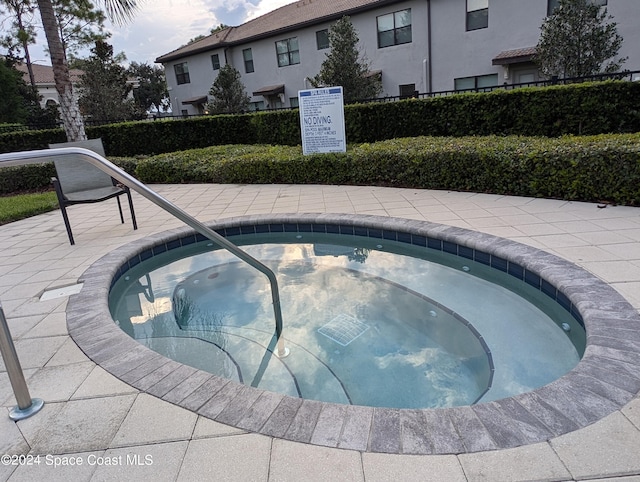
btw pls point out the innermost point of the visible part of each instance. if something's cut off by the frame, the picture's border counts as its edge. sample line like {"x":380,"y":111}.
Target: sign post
{"x":322,"y":120}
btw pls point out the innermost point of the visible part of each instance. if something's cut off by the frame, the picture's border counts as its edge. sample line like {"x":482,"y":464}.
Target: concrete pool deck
{"x":117,"y":432}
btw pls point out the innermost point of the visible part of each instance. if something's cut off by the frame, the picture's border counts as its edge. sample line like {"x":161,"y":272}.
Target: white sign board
{"x":322,"y":120}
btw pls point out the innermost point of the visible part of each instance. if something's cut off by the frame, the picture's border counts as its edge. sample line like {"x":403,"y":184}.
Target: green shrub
{"x":581,"y":168}
{"x":37,"y":177}
{"x":33,"y":177}
{"x":595,"y":168}
{"x":12,"y":128}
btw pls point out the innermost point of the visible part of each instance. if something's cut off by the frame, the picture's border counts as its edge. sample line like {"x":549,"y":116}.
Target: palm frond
{"x":121,"y":11}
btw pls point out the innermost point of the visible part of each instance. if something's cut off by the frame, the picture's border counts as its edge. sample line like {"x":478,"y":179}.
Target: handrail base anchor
{"x":281,"y":350}
{"x":17,"y":413}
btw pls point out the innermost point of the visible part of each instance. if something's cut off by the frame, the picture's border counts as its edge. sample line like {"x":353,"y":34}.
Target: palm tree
{"x":118,"y":11}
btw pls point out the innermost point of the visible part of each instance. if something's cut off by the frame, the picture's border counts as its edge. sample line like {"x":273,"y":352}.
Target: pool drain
{"x":343,"y":329}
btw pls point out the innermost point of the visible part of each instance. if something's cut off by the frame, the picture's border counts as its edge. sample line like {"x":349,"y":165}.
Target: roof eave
{"x":176,"y":56}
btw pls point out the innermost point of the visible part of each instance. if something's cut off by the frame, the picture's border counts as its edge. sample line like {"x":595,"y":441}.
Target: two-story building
{"x":415,"y":45}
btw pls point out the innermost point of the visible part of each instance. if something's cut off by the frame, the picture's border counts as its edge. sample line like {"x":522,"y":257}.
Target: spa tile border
{"x":607,"y":377}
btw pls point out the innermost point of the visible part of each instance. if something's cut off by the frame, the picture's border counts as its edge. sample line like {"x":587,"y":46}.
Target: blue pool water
{"x":367,"y":322}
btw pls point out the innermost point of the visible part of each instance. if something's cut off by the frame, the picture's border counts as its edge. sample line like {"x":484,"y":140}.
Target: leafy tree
{"x":220,"y":27}
{"x":21,"y":33}
{"x":12,"y":107}
{"x":20,"y":103}
{"x":228,"y":92}
{"x":117,"y":10}
{"x":344,"y":66}
{"x":104,"y":87}
{"x":80,"y":24}
{"x":151,"y":92}
{"x":577,"y":41}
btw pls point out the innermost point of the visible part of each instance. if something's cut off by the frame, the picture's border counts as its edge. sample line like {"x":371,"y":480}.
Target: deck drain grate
{"x":343,"y":329}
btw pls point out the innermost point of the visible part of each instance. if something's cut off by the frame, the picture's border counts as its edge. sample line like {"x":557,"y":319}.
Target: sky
{"x":161,"y":26}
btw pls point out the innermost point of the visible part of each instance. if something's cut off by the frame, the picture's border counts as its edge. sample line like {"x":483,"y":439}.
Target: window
{"x":480,"y":82}
{"x":248,"y":60}
{"x":215,"y":62}
{"x":407,"y":90}
{"x":394,"y":28}
{"x":182,"y":73}
{"x":322,"y":39}
{"x":477,"y":14}
{"x":293,"y":102}
{"x":552,"y":4}
{"x":288,"y":53}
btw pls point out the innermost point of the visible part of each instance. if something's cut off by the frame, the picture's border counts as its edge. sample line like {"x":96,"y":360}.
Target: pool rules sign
{"x":322,"y":120}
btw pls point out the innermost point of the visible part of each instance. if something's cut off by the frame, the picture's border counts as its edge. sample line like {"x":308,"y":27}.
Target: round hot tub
{"x":384,"y":320}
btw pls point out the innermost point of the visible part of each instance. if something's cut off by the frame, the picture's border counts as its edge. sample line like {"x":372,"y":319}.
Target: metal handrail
{"x":46,"y":155}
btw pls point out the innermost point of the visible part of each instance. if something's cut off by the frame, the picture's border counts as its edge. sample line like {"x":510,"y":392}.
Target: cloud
{"x":264,"y":6}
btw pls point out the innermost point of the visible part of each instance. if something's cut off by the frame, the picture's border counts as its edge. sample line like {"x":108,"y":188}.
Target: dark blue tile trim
{"x":389,"y":235}
{"x":186,"y":241}
{"x":482,"y":257}
{"x":276,"y":228}
{"x":499,"y":263}
{"x":161,"y":248}
{"x":449,"y":247}
{"x":562,"y":299}
{"x":134,"y":261}
{"x":419,"y":240}
{"x":146,"y":254}
{"x":532,"y":279}
{"x":548,"y":289}
{"x":173,"y":244}
{"x":348,"y":230}
{"x":434,"y":243}
{"x":465,"y":252}
{"x":516,"y":271}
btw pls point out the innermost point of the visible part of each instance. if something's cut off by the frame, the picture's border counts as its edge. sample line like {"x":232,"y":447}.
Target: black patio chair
{"x":79,"y":182}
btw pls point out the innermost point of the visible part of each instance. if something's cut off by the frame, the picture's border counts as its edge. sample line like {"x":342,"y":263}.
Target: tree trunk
{"x":24,"y":39}
{"x":69,"y":111}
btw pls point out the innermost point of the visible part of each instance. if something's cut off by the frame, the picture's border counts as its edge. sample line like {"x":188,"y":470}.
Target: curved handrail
{"x":46,"y":155}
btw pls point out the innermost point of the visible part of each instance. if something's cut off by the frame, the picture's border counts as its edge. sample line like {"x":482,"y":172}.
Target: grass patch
{"x":14,"y":208}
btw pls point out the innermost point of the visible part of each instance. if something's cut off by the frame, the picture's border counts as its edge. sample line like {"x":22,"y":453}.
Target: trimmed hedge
{"x":579,"y":109}
{"x":590,"y":168}
{"x":595,"y":168}
{"x":4,"y":128}
{"x":33,"y":177}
